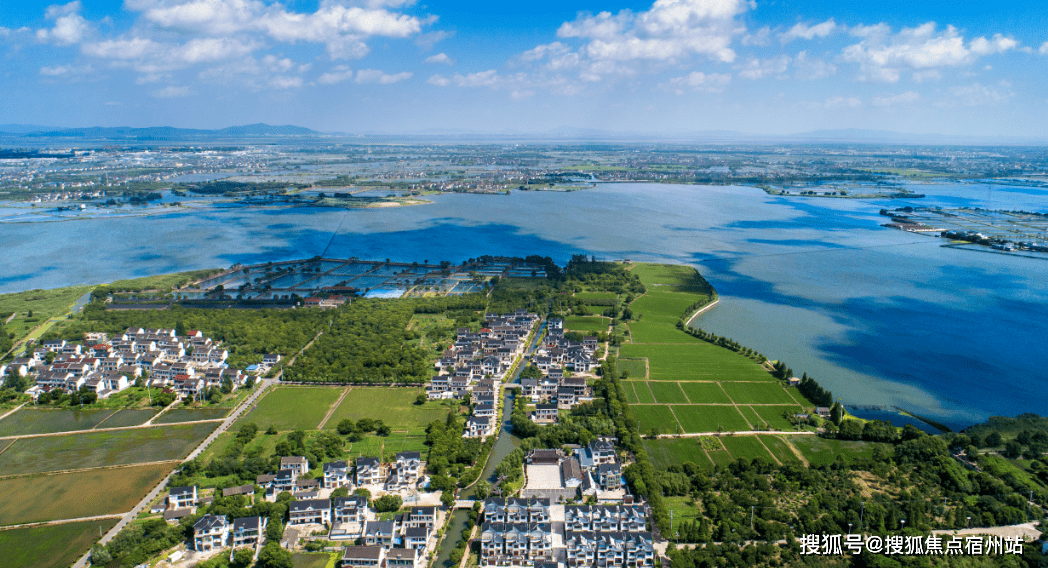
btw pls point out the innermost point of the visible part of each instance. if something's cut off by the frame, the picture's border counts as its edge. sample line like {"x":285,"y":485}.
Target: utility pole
{"x":861,"y":514}
{"x":751,"y":517}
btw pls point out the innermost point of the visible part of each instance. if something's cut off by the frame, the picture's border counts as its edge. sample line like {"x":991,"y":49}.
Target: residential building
{"x":182,"y":497}
{"x":363,"y":556}
{"x":609,"y":549}
{"x":351,"y":509}
{"x":336,"y":474}
{"x":369,"y":471}
{"x":379,"y":533}
{"x":310,"y":511}
{"x":210,"y":532}
{"x":299,"y":464}
{"x":249,"y":531}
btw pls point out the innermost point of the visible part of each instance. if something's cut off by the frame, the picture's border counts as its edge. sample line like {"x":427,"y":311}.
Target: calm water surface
{"x":879,"y":316}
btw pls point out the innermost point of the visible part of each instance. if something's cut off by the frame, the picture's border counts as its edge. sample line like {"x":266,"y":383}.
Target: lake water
{"x":879,"y":316}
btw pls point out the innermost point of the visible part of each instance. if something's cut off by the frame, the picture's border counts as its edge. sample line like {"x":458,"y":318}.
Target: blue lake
{"x":879,"y":316}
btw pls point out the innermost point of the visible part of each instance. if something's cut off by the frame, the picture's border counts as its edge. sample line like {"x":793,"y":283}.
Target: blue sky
{"x":393,"y":66}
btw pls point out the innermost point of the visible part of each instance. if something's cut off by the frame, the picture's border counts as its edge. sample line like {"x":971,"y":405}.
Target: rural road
{"x":736,"y":432}
{"x":229,"y":420}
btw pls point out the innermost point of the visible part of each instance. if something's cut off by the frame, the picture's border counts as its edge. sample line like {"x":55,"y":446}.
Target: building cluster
{"x":554,"y":390}
{"x":529,"y":532}
{"x":187,"y":365}
{"x":592,"y":470}
{"x":477,"y":363}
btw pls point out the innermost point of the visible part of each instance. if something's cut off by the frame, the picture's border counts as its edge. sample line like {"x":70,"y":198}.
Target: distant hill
{"x":158,"y":132}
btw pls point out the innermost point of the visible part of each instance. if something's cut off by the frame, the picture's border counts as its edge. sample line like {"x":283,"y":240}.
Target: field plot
{"x":665,"y":452}
{"x":673,"y":277}
{"x":655,"y":416}
{"x":696,"y":361}
{"x":709,"y":418}
{"x":643,"y":392}
{"x":705,"y":393}
{"x":820,"y":451}
{"x":35,"y":421}
{"x":81,"y":494}
{"x":751,"y":416}
{"x":395,"y":406}
{"x":748,"y":447}
{"x":97,"y":449}
{"x":648,"y":331}
{"x":631,"y":394}
{"x":191,"y":414}
{"x":54,"y":546}
{"x":318,"y":560}
{"x":293,"y":408}
{"x":683,"y":510}
{"x":664,"y":307}
{"x":720,"y":457}
{"x":127,"y":417}
{"x":596,"y":295}
{"x":368,"y":446}
{"x":667,"y":393}
{"x":758,"y":393}
{"x":774,"y":416}
{"x":779,"y":447}
{"x":637,"y":368}
{"x":586,"y":323}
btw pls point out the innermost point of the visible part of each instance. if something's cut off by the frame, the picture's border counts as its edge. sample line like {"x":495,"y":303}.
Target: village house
{"x":369,"y":471}
{"x":609,"y":549}
{"x":182,"y":497}
{"x":310,"y":511}
{"x":336,"y":474}
{"x":249,"y":531}
{"x":379,"y":533}
{"x":363,"y":556}
{"x":298,"y":464}
{"x":210,"y":532}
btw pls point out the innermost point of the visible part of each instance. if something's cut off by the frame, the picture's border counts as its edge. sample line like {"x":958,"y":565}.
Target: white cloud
{"x":428,"y":40}
{"x":801,"y":30}
{"x":70,"y":27}
{"x":901,"y":99}
{"x":1044,"y":48}
{"x":378,"y":77}
{"x":341,"y":28}
{"x":812,"y":67}
{"x":759,"y":37}
{"x":760,"y":68}
{"x":670,"y":30}
{"x":982,"y":95}
{"x":699,"y":81}
{"x":337,"y":74}
{"x":882,"y":56}
{"x":172,"y":92}
{"x":843,"y":102}
{"x":439,"y":80}
{"x":65,"y":70}
{"x":440,"y":58}
{"x":278,"y":65}
{"x":285,"y":82}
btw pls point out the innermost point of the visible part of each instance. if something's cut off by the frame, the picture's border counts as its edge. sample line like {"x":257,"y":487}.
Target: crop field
{"x":696,"y":361}
{"x":751,"y":416}
{"x":35,"y":421}
{"x":773,"y":416}
{"x":368,"y":446}
{"x":36,"y":498}
{"x":665,"y":452}
{"x":128,"y":417}
{"x":293,"y":408}
{"x":758,"y":393}
{"x":316,"y":560}
{"x":683,"y":510}
{"x":98,"y":449}
{"x":637,"y":368}
{"x":748,"y":447}
{"x":596,"y":295}
{"x":665,"y":307}
{"x":395,"y":406}
{"x":586,"y":323}
{"x":53,"y":546}
{"x":708,"y":418}
{"x":779,"y":448}
{"x":720,"y":457}
{"x":674,"y":277}
{"x":643,"y":392}
{"x":705,"y":393}
{"x":191,"y":414}
{"x":648,"y":331}
{"x":631,"y":394}
{"x":821,"y":451}
{"x":655,"y":416}
{"x":667,"y":393}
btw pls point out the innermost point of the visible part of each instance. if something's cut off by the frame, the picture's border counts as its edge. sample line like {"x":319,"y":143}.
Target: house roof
{"x":363,"y":552}
{"x":238,"y":490}
{"x":210,"y":522}
{"x":409,"y":455}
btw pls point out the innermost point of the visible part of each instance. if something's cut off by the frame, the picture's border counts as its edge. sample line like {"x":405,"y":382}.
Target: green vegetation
{"x":655,"y":418}
{"x":637,"y":368}
{"x":696,"y":361}
{"x":57,"y":453}
{"x":758,"y":393}
{"x":779,"y":448}
{"x":665,"y":452}
{"x":705,"y":393}
{"x":292,"y":408}
{"x":586,"y":324}
{"x":191,"y":414}
{"x":395,"y":407}
{"x":36,"y":498}
{"x":667,"y":393}
{"x":748,"y":447}
{"x":776,"y":416}
{"x":161,"y":283}
{"x":710,"y":418}
{"x":643,"y":392}
{"x":821,"y":451}
{"x":53,"y":546}
{"x":328,"y":560}
{"x":39,"y":421}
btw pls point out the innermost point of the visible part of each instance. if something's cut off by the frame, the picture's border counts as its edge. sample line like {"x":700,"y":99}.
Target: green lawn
{"x":664,"y":306}
{"x":586,"y":323}
{"x":36,"y":498}
{"x":293,"y":408}
{"x":97,"y":449}
{"x":191,"y":414}
{"x":643,"y":392}
{"x":40,"y":421}
{"x":395,"y":406}
{"x":596,"y":295}
{"x":649,"y":331}
{"x":673,"y":277}
{"x":774,"y":416}
{"x":758,"y":393}
{"x":696,"y":361}
{"x":637,"y":368}
{"x":779,"y":448}
{"x":748,"y":447}
{"x":667,"y":393}
{"x":821,"y":451}
{"x":665,"y":452}
{"x":705,"y":393}
{"x":683,"y":510}
{"x":655,"y":416}
{"x":709,"y":418}
{"x":317,"y":560}
{"x":54,"y":546}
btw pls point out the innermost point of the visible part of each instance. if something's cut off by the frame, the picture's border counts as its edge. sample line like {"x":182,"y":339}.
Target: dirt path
{"x":796,"y":452}
{"x":771,"y":453}
{"x":61,"y":522}
{"x":9,"y":413}
{"x":333,"y":408}
{"x":700,"y":310}
{"x":7,"y":446}
{"x":737,"y":432}
{"x":113,"y":429}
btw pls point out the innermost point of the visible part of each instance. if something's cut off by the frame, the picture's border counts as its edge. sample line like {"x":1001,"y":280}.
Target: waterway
{"x":879,"y":316}
{"x":452,"y":537}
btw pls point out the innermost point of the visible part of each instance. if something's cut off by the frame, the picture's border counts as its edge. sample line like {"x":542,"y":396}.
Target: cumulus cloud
{"x":172,"y":92}
{"x":148,"y":56}
{"x":65,"y":70}
{"x":285,"y":82}
{"x":809,"y":67}
{"x":341,"y":28}
{"x":440,"y":58}
{"x":375,"y":76}
{"x":428,"y":40}
{"x":843,"y":102}
{"x":981,"y":95}
{"x":893,"y":100}
{"x":801,"y":30}
{"x":699,"y":81}
{"x":439,"y":80}
{"x":760,"y":68}
{"x":337,"y":74}
{"x":1044,"y":48}
{"x":70,"y":27}
{"x":882,"y":56}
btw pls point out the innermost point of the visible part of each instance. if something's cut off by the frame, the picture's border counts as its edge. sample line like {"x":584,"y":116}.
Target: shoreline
{"x":701,"y":310}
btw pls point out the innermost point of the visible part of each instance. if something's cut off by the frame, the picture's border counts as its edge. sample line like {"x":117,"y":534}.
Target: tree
{"x":363,"y":493}
{"x":482,"y":489}
{"x":1013,"y":449}
{"x":340,"y":492}
{"x":993,"y":440}
{"x":447,"y":498}
{"x":346,"y":427}
{"x":837,"y":413}
{"x":850,"y":430}
{"x":242,"y":558}
{"x":388,"y":503}
{"x":420,"y":399}
{"x":272,"y":556}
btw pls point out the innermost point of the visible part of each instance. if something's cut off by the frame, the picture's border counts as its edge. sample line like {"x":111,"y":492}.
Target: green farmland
{"x":665,"y":452}
{"x":394,"y":406}
{"x":695,"y":361}
{"x":705,"y":393}
{"x":191,"y":415}
{"x":293,"y":408}
{"x":667,"y":393}
{"x":54,"y":546}
{"x":749,"y":447}
{"x":697,"y":418}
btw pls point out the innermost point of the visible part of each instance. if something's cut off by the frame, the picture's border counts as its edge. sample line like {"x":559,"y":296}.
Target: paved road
{"x":130,"y":516}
